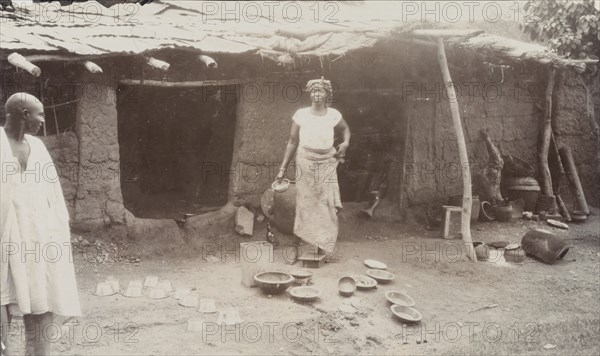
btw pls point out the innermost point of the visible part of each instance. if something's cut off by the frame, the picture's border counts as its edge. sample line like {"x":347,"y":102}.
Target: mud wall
{"x":264,"y":118}
{"x":99,"y":202}
{"x":510,"y":110}
{"x":577,"y":122}
{"x":433,"y":167}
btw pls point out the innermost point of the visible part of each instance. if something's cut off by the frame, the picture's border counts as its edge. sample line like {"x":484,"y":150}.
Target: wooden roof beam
{"x":92,"y":67}
{"x":157,"y":63}
{"x":208,"y":61}
{"x":21,"y":62}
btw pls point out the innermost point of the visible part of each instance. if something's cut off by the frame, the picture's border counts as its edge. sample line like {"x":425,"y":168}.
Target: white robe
{"x":36,"y":261}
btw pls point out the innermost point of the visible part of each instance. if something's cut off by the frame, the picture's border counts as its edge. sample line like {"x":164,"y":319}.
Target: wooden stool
{"x":451,"y":221}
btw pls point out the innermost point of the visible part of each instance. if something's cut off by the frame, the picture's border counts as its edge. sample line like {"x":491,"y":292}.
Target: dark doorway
{"x":376,"y":150}
{"x":168,"y":137}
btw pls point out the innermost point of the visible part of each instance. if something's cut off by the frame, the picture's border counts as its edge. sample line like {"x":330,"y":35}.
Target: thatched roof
{"x":92,"y":30}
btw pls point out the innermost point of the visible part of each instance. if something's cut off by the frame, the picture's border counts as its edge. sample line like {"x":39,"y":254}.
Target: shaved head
{"x":19,"y":101}
{"x":24,"y":108}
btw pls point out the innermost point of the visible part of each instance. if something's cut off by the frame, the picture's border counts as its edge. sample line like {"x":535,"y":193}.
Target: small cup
{"x":114,"y":283}
{"x":151,"y":281}
{"x":133,"y":291}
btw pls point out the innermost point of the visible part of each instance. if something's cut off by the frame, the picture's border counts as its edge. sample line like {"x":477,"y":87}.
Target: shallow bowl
{"x":280,"y":186}
{"x":374,"y":264}
{"x":364,"y":282}
{"x":305,"y":293}
{"x":406,"y":314}
{"x":400,"y":298}
{"x":380,"y":276}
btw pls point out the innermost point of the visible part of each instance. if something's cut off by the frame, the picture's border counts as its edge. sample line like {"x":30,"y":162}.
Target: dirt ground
{"x":533,"y":308}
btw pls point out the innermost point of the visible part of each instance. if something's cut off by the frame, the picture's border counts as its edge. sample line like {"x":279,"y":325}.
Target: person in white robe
{"x":37,"y":276}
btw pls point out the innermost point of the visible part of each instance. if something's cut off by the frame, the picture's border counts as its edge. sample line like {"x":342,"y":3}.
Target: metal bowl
{"x":399,"y":298}
{"x":305,"y":293}
{"x":380,"y":276}
{"x":273,"y":282}
{"x":406,"y":314}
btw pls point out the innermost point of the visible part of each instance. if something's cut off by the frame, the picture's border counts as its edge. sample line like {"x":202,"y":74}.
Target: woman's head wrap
{"x":319,"y":84}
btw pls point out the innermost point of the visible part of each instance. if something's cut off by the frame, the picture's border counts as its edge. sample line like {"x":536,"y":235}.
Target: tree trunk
{"x":462,"y":151}
{"x":545,"y":134}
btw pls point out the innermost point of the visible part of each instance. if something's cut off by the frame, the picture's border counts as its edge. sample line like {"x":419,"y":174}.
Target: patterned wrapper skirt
{"x":318,"y":197}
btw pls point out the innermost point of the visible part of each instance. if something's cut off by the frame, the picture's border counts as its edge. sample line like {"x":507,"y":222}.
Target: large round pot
{"x":526,"y":188}
{"x":544,"y":245}
{"x":284,"y":209}
{"x":516,"y":167}
{"x":475,"y":205}
{"x":482,"y":251}
{"x":273,"y":282}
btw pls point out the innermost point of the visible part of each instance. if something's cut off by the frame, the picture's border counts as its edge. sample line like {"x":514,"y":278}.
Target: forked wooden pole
{"x":465,"y":229}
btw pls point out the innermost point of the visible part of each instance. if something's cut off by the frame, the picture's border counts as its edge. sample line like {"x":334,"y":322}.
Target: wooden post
{"x":462,"y":151}
{"x":545,"y":135}
{"x":573,"y":176}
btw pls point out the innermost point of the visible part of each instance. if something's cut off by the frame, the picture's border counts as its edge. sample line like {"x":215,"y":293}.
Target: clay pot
{"x":284,"y":209}
{"x":544,"y":246}
{"x":481,"y":251}
{"x":516,"y":255}
{"x":525,"y":188}
{"x":503,"y":212}
{"x":475,"y":205}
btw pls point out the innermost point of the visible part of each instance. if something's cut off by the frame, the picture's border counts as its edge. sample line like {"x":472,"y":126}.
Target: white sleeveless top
{"x":317,"y":132}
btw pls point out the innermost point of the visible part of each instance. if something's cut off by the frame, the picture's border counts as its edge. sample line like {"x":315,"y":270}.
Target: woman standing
{"x":318,"y":194}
